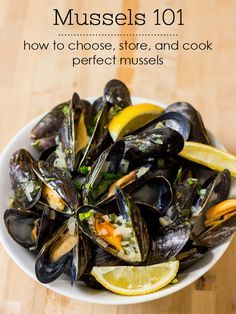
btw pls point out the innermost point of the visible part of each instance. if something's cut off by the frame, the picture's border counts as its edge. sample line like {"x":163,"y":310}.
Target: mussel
{"x":220,"y":224}
{"x":58,"y":189}
{"x":123,"y":233}
{"x":216,"y":191}
{"x":172,"y":120}
{"x":44,"y":133}
{"x":23,"y":227}
{"x":156,"y":192}
{"x":56,"y":254}
{"x":25,"y":184}
{"x":166,"y":243}
{"x":153,"y":143}
{"x":116,"y":93}
{"x":104,"y":172}
{"x":198,"y":132}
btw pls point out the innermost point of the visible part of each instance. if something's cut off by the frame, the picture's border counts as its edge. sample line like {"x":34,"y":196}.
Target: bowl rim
{"x":119,"y":299}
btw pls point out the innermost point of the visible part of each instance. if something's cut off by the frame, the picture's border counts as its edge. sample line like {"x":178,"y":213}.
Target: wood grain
{"x":32,"y":82}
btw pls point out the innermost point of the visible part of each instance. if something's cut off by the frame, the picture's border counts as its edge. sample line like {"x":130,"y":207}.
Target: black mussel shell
{"x":58,"y":181}
{"x":172,"y":120}
{"x":46,"y":269}
{"x":108,"y":162}
{"x":99,"y":137}
{"x":184,"y":196}
{"x":167,"y":242}
{"x":67,"y":138}
{"x":45,"y":143}
{"x":130,"y":214}
{"x":20,"y":226}
{"x":98,"y":104}
{"x":80,"y":258}
{"x":47,"y":129}
{"x":91,"y":282}
{"x":156,"y":192}
{"x":215,"y":192}
{"x":218,"y":234}
{"x":117,"y":93}
{"x":72,"y":140}
{"x":153,"y":143}
{"x":25,"y":183}
{"x":190,"y":254}
{"x":198,"y":133}
{"x":81,"y":105}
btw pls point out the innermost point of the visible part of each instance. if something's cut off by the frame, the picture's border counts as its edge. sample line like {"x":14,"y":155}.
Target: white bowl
{"x":25,"y":260}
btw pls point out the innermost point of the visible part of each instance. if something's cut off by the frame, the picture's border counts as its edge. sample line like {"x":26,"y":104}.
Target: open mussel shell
{"x":153,"y":143}
{"x":124,"y":235}
{"x":156,"y":192}
{"x":198,"y":133}
{"x":80,"y":257}
{"x":56,"y":254}
{"x":60,"y":184}
{"x":102,"y":258}
{"x":217,"y":234}
{"x":44,"y":133}
{"x":67,"y":138}
{"x":23,"y":227}
{"x":25,"y":184}
{"x":98,"y":104}
{"x":184,"y":196}
{"x":108,"y":163}
{"x":81,"y":105}
{"x":73,"y":134}
{"x":216,"y":191}
{"x":190,"y":254}
{"x":100,"y":138}
{"x":172,"y":120}
{"x":128,"y":182}
{"x":117,"y":93}
{"x":166,"y":243}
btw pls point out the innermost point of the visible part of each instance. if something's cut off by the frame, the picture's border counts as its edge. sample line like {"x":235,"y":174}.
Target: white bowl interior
{"x":25,"y":260}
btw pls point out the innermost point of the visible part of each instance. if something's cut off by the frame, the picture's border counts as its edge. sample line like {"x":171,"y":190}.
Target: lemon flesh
{"x":131,"y":118}
{"x":136,"y":280}
{"x":209,"y":156}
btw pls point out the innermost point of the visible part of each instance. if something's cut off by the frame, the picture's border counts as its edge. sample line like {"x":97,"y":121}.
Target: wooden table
{"x":31,"y":82}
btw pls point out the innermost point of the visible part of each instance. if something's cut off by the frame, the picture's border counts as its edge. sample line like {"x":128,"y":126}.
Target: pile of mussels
{"x":89,"y":201}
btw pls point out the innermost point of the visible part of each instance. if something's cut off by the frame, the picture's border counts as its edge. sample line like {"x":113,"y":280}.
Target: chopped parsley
{"x":84,"y":170}
{"x":65,"y":110}
{"x":78,"y":185}
{"x":102,"y":186}
{"x":86,"y":215}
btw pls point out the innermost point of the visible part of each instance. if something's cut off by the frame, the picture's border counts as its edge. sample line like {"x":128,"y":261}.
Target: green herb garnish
{"x":84,"y":170}
{"x":65,"y":110}
{"x":85,"y":215}
{"x":102,"y":186}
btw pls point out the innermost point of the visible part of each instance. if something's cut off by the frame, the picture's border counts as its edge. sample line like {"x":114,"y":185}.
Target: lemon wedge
{"x":136,"y":280}
{"x":131,"y":118}
{"x":209,"y":156}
